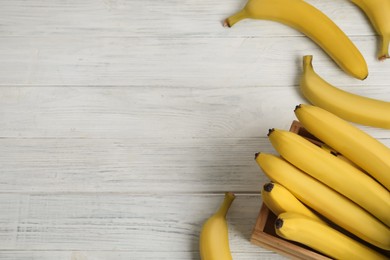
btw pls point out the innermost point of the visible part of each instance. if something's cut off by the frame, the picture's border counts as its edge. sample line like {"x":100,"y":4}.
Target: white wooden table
{"x":123,"y":122}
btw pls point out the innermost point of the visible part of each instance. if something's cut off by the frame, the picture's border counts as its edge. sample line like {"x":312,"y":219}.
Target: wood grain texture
{"x":153,"y":112}
{"x":183,"y":62}
{"x":125,"y":255}
{"x":131,"y":165}
{"x":123,"y":122}
{"x":121,"y":222}
{"x":150,"y":18}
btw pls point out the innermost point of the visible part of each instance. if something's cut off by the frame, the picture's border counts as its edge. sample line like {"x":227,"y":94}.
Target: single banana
{"x":349,"y":106}
{"x":214,"y":240}
{"x":313,"y":23}
{"x":279,"y":199}
{"x":335,"y":173}
{"x":323,"y":238}
{"x":378,"y":12}
{"x":326,"y":201}
{"x":359,"y":147}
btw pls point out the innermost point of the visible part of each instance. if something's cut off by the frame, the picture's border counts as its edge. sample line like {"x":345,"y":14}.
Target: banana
{"x":349,"y":106}
{"x":359,"y":147}
{"x":321,"y":237}
{"x":326,"y":201}
{"x":313,"y":23}
{"x":278,"y":199}
{"x":337,"y":174}
{"x":378,"y":12}
{"x":214,"y":240}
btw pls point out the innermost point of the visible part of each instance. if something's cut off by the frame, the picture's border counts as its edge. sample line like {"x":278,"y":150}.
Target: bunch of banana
{"x":214,"y":240}
{"x":326,"y":201}
{"x":378,"y":11}
{"x":349,"y":106}
{"x":307,"y":176}
{"x":313,"y":23}
{"x":356,"y":145}
{"x":298,"y":223}
{"x":341,"y":176}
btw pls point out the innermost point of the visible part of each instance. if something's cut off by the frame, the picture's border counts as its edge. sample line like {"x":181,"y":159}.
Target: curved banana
{"x":214,"y":241}
{"x":279,"y":199}
{"x":326,"y":201}
{"x":313,"y":23}
{"x":335,"y":173}
{"x":359,"y":147}
{"x":378,"y":11}
{"x":349,"y":106}
{"x":321,"y":237}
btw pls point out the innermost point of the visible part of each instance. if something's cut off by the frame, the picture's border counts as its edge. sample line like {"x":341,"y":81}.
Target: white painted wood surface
{"x":122,"y":122}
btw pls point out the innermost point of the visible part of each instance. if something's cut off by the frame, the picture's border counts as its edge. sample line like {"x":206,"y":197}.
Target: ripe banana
{"x":335,"y":173}
{"x":349,"y":106}
{"x":378,"y":11}
{"x":313,"y":23}
{"x":326,"y":201}
{"x":321,"y":237}
{"x":214,"y":241}
{"x":359,"y":147}
{"x":279,"y":199}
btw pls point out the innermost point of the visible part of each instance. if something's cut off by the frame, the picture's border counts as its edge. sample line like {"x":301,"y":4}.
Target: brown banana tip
{"x":296,"y":107}
{"x":226,"y":23}
{"x":278,"y":223}
{"x":268,"y":186}
{"x":256,"y":155}
{"x":270,"y":131}
{"x":383,"y":57}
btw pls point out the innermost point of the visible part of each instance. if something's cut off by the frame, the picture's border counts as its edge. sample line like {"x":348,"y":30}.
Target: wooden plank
{"x":120,"y":222}
{"x":143,"y":18}
{"x":126,"y":255}
{"x":131,"y":165}
{"x":176,"y":62}
{"x":153,"y":112}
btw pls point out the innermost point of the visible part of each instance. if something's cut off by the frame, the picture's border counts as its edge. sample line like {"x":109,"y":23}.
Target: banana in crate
{"x":263,"y":236}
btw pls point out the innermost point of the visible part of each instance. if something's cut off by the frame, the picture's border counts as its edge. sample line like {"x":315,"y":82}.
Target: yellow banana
{"x":349,"y":106}
{"x":313,"y":23}
{"x":378,"y":11}
{"x":214,"y":240}
{"x":335,"y":173}
{"x":321,"y":237}
{"x":326,"y":201}
{"x":279,"y":199}
{"x":353,"y":143}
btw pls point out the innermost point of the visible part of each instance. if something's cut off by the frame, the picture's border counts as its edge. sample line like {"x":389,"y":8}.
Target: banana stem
{"x":227,"y":202}
{"x":231,"y":20}
{"x":384,"y":52}
{"x":307,"y":61}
